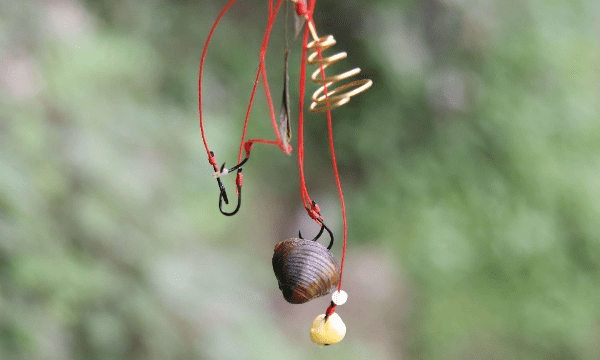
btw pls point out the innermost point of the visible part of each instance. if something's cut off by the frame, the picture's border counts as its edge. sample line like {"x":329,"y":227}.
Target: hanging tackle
{"x":300,"y":274}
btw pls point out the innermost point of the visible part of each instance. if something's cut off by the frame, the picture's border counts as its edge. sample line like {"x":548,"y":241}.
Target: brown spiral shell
{"x":304,"y":269}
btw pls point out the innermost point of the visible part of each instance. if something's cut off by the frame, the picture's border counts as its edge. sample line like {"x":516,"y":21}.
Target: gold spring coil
{"x":335,"y":97}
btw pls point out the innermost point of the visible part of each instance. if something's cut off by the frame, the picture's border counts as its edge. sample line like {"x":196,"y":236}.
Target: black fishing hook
{"x":223,"y":196}
{"x":323,"y":227}
{"x":222,"y":192}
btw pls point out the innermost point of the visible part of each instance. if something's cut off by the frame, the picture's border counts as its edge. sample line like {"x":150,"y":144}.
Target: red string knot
{"x":314,"y":215}
{"x":239,"y":179}
{"x":212,"y":160}
{"x":314,"y":207}
{"x":248,"y":147}
{"x":314,"y":211}
{"x":301,"y":8}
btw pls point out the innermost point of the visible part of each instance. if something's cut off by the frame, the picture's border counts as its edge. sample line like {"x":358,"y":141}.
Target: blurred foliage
{"x":472,"y":167}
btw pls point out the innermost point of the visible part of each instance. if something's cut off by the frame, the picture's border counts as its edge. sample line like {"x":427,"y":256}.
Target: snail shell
{"x":304,"y":269}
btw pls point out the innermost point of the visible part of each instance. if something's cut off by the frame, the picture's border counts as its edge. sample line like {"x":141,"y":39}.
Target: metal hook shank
{"x":238,"y":166}
{"x":224,"y":171}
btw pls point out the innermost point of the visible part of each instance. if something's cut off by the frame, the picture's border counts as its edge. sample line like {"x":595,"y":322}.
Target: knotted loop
{"x":314,"y":207}
{"x":314,"y":212}
{"x":212,"y":160}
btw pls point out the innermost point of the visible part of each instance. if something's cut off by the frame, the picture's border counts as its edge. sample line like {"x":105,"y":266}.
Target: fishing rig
{"x":298,"y":263}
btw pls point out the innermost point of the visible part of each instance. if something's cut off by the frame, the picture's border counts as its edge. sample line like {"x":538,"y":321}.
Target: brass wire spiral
{"x":338,"y":96}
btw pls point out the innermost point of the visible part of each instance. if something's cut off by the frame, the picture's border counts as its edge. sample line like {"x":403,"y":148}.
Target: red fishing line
{"x":273,"y":9}
{"x":302,"y":10}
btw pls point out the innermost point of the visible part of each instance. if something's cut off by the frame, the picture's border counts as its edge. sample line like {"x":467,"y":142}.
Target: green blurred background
{"x":471,"y":173}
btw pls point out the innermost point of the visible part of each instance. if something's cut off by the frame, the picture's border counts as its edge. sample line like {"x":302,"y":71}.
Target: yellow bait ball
{"x":327,"y":332}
